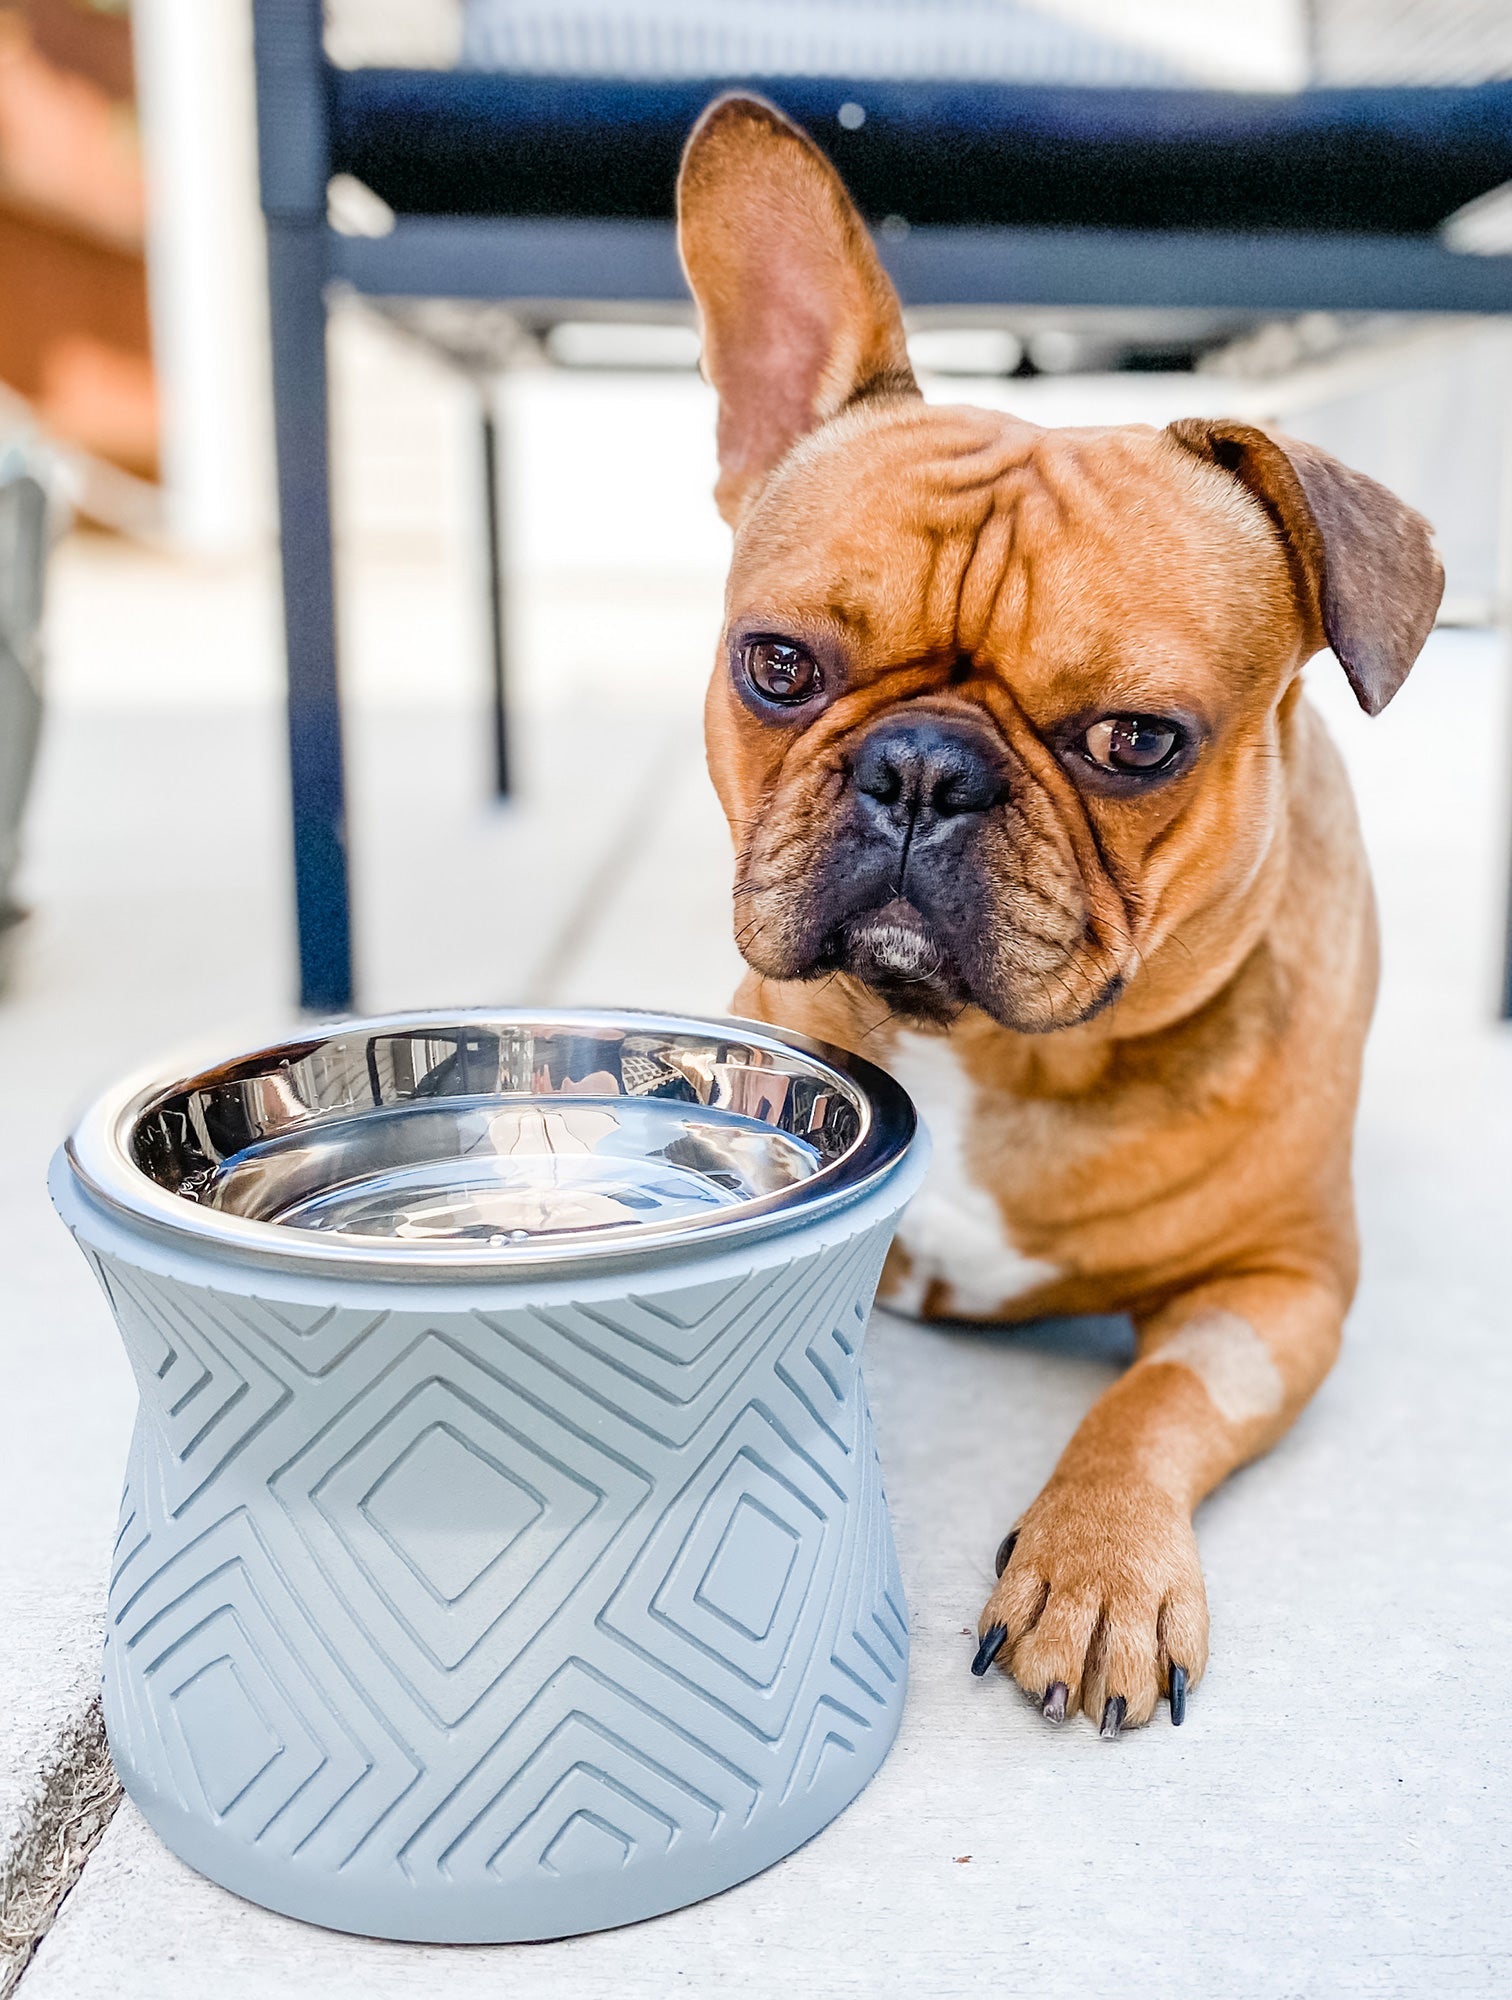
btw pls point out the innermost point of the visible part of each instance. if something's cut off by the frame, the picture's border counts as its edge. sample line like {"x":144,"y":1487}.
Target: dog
{"x":1027,"y":800}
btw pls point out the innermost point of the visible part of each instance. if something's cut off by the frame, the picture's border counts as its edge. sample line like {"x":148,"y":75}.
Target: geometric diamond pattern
{"x":749,"y":1573}
{"x":450,"y":1511}
{"x":229,"y":1740}
{"x":501,"y":1612}
{"x":441,"y":1528}
{"x":733,"y":1600}
{"x":435,"y":1652}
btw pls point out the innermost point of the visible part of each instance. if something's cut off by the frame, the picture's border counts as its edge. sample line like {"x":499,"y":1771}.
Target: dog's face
{"x":996,"y":705}
{"x":998,"y":708}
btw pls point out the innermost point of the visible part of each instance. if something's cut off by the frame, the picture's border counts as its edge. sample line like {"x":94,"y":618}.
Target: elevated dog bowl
{"x":503,"y":1552}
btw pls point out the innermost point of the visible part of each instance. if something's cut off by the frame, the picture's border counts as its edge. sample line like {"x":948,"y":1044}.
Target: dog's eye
{"x":1137,"y":743}
{"x":780,"y":671}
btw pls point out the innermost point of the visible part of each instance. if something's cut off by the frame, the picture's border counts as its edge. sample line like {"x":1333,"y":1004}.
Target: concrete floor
{"x":1334,"y":1819}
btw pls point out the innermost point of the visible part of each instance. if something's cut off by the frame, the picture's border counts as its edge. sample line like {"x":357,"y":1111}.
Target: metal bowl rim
{"x":98,"y":1153}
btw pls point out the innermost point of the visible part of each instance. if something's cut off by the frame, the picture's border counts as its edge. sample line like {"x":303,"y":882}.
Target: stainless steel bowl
{"x":477,"y":1143}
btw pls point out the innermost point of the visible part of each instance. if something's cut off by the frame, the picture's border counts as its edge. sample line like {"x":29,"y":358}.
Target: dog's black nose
{"x":927,"y":768}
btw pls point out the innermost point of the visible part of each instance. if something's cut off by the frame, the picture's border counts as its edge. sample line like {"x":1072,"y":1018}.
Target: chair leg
{"x":1506,"y":989}
{"x":494,"y":525}
{"x":296,"y":279}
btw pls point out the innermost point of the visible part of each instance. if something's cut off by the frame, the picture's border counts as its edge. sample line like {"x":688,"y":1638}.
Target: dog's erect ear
{"x":1366,"y":568}
{"x":797,"y":314}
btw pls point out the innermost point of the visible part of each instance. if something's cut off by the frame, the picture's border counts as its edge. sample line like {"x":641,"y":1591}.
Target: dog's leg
{"x":1100,"y":1603}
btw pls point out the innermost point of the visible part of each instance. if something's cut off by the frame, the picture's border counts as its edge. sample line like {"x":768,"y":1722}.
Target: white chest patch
{"x":953,"y":1228}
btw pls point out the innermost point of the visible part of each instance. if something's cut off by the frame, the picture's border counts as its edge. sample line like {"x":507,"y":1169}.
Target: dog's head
{"x":998,"y":708}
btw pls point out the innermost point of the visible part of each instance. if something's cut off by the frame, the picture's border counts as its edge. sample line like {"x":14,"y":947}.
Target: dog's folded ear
{"x":1367,"y":574}
{"x":797,"y":315}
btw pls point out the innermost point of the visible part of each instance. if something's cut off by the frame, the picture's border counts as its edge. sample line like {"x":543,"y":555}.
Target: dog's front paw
{"x":1099,"y":1605}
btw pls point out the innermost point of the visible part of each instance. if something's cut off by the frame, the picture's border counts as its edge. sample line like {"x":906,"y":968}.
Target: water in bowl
{"x":494,"y":1171}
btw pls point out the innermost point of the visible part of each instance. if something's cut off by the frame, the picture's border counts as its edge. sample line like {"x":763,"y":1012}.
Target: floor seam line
{"x":629,"y":840}
{"x":75,"y":1802}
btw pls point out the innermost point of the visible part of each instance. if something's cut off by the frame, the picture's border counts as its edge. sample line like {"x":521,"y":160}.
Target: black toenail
{"x":991,"y":1646}
{"x":1005,"y":1550}
{"x":1178,"y":1695}
{"x":1053,"y":1708}
{"x":1113,"y":1716}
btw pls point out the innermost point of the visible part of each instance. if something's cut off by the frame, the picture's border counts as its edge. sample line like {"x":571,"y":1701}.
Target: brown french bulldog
{"x":1008,"y":724}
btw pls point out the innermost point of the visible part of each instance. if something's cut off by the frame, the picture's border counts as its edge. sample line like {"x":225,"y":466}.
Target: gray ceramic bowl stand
{"x":498,"y":1611}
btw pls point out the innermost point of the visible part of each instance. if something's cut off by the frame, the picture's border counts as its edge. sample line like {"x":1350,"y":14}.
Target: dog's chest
{"x":954,"y":1230}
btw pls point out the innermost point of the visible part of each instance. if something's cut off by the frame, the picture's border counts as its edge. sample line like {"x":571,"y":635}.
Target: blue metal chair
{"x":515,"y":187}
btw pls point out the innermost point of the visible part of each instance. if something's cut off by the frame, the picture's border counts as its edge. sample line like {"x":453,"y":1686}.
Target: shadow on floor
{"x":1105,"y":1337}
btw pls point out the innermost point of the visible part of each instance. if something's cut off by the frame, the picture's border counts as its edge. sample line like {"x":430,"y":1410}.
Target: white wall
{"x":206,"y":269}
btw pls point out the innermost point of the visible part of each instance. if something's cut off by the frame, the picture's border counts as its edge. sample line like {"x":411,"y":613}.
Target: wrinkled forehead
{"x":922,"y":530}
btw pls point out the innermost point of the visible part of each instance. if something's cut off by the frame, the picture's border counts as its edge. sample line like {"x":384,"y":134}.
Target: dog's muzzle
{"x":920,"y":777}
{"x":920,"y":785}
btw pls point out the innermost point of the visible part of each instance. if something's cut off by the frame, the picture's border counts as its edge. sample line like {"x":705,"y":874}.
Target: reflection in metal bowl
{"x":430,"y":1141}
